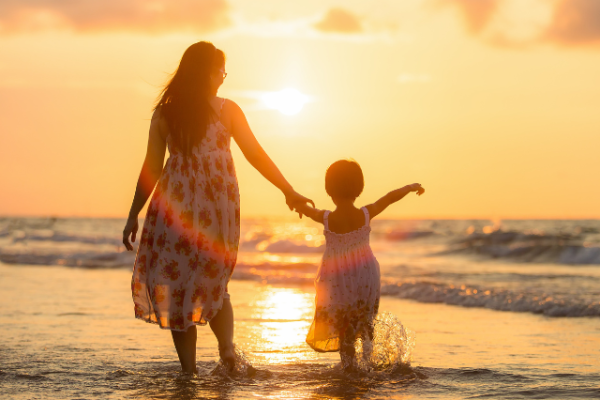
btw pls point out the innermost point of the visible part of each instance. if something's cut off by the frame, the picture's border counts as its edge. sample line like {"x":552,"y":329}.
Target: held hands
{"x":293,"y":199}
{"x":416,"y":187}
{"x":131,"y":228}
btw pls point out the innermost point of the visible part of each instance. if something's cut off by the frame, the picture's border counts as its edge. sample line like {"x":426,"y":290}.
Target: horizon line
{"x":293,"y":216}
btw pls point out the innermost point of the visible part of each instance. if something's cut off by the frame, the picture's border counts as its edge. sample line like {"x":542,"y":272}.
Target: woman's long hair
{"x":184,"y":102}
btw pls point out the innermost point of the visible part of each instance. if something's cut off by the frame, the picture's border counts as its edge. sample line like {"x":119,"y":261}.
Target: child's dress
{"x":348,"y":288}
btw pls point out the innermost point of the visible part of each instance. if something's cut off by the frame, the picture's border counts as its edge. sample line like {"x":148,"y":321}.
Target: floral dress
{"x":348,"y":288}
{"x":190,"y":238}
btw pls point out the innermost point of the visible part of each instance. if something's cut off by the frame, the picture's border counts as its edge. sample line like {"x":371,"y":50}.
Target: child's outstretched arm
{"x":313,"y":213}
{"x":392,"y":197}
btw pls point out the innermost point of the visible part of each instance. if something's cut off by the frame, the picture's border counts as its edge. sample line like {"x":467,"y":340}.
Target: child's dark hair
{"x":344,"y":179}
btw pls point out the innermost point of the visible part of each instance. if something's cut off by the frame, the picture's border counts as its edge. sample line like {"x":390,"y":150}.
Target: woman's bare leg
{"x":185,"y":344}
{"x":222,"y":326}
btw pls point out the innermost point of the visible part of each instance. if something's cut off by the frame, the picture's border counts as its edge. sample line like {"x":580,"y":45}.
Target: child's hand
{"x":416,"y":187}
{"x":295,"y":201}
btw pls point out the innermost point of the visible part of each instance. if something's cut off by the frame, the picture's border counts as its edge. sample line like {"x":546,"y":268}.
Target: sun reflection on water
{"x":284,"y":316}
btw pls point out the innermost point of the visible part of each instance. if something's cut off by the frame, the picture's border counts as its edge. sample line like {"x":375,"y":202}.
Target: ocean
{"x":470,"y":309}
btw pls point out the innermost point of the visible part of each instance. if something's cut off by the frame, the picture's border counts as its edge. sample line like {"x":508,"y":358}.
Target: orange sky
{"x":492,"y":104}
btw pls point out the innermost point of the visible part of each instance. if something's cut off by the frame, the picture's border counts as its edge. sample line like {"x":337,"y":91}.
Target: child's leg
{"x":185,"y":344}
{"x":347,"y":352}
{"x":371,"y":331}
{"x":222,"y":327}
{"x":367,"y":342}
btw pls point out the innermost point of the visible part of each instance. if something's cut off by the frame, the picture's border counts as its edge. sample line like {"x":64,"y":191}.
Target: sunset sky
{"x":492,"y":105}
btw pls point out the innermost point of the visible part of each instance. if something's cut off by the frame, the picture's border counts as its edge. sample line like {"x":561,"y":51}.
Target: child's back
{"x":348,"y":280}
{"x":348,"y":289}
{"x":344,"y":221}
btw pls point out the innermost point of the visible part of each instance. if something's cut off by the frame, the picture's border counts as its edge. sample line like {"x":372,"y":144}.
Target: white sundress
{"x":348,"y":288}
{"x":189,"y":242}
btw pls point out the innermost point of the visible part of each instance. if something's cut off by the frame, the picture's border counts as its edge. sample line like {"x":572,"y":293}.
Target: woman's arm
{"x":392,"y":197}
{"x":151,"y":170}
{"x":258,"y":158}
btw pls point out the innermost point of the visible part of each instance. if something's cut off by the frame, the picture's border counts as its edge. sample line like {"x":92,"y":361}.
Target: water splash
{"x":242,"y":369}
{"x":391,"y":347}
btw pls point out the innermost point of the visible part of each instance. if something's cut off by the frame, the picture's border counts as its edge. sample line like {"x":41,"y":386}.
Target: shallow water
{"x":68,"y":330}
{"x":70,"y":333}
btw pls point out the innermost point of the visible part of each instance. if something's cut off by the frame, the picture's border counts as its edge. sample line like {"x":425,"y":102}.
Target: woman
{"x":190,"y":238}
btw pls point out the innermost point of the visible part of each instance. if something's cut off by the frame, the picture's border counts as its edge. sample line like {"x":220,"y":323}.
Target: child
{"x":348,"y":281}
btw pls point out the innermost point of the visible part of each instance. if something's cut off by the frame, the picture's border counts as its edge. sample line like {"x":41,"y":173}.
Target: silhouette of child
{"x":348,"y":280}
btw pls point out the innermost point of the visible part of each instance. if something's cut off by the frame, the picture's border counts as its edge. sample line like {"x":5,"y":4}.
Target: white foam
{"x":496,"y":299}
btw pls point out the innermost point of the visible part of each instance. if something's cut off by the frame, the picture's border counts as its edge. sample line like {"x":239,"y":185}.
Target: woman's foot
{"x":227,"y":355}
{"x":222,"y":326}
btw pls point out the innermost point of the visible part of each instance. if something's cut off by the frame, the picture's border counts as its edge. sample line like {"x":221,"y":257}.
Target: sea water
{"x":470,"y":308}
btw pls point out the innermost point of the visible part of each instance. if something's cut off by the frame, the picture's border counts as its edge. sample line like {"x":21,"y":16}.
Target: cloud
{"x":575,"y":22}
{"x":339,"y":20}
{"x":309,"y":27}
{"x":152,"y":16}
{"x":531,"y":22}
{"x":476,"y":13}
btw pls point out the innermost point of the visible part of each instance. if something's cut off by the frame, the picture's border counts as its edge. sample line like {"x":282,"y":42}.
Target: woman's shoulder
{"x":160,"y":113}
{"x":231,"y":115}
{"x":160,"y":121}
{"x":228,"y":106}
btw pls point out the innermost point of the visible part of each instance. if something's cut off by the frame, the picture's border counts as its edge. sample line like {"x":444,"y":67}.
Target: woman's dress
{"x":190,"y":238}
{"x":348,"y":289}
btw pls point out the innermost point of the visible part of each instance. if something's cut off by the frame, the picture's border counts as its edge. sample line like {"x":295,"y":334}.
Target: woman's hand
{"x":131,"y":228}
{"x":293,"y":199}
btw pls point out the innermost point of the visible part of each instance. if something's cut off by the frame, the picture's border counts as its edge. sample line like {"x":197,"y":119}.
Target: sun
{"x":287,"y":101}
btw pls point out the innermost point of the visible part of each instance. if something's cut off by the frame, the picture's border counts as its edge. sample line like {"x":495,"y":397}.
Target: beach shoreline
{"x":73,"y":330}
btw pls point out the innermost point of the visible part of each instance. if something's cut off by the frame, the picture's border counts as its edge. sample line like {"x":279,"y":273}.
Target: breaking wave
{"x":522,"y":247}
{"x":495,"y":299}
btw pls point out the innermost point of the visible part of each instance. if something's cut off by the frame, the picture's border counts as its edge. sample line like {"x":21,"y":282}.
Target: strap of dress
{"x":221,"y":108}
{"x":366,"y":212}
{"x":325,"y":222}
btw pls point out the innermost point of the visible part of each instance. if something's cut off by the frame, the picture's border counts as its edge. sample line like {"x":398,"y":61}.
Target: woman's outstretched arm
{"x":392,"y":197}
{"x":258,"y":158}
{"x":151,"y":170}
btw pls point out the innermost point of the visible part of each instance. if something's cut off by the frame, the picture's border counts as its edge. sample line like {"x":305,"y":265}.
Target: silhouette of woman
{"x":190,"y":238}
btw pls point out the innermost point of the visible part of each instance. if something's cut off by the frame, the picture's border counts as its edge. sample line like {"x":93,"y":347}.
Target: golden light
{"x":285,"y":315}
{"x":287,"y":304}
{"x":287,"y":101}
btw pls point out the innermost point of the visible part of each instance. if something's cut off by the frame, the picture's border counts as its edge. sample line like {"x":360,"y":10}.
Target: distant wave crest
{"x":522,"y":247}
{"x":495,"y":299}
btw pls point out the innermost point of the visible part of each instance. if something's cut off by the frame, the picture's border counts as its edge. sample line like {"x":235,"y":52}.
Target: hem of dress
{"x":324,"y":351}
{"x":151,"y":321}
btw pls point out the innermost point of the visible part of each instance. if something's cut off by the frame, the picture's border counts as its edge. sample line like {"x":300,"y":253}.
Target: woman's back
{"x":216,"y":137}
